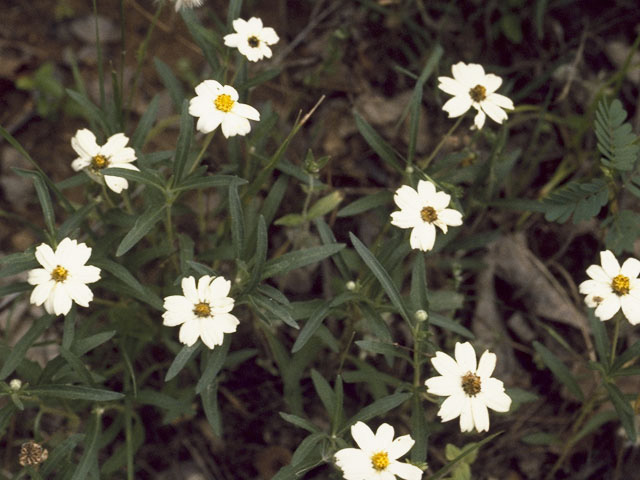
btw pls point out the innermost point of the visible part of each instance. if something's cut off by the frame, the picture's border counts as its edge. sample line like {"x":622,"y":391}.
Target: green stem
{"x":205,"y":145}
{"x":142,"y":52}
{"x":614,"y":341}
{"x":439,"y":146}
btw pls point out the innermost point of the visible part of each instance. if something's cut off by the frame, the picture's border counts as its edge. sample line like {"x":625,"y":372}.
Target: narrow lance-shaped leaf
{"x":214,"y":364}
{"x":184,"y":145}
{"x":623,"y":409}
{"x":237,"y":220}
{"x":43,"y":197}
{"x":169,"y":80}
{"x":143,"y":225}
{"x":299,"y":258}
{"x":559,"y":370}
{"x":377,"y":408}
{"x":383,"y":277}
{"x":20,"y":349}
{"x":90,"y":448}
{"x":181,"y":360}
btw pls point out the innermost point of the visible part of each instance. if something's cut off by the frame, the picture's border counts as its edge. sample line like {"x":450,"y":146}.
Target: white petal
{"x":597,"y":273}
{"x":399,"y":446}
{"x":460,"y":73}
{"x":480,"y":415}
{"x":232,"y":40}
{"x":630,"y":268}
{"x":479,"y":119}
{"x":457,"y":106}
{"x":123,"y":159}
{"x":491,"y":82}
{"x":218,"y":288}
{"x":446,"y":365}
{"x":450,"y":217}
{"x":406,"y":218}
{"x":466,"y":357}
{"x":405,"y":470}
{"x":240,"y":25}
{"x":84,"y":144}
{"x":210,"y":89}
{"x":487,"y":364}
{"x":452,"y":87}
{"x":466,"y":415}
{"x":384,"y":437}
{"x":203,"y":288}
{"x":363,"y":436}
{"x":269,"y":36}
{"x":452,"y":407}
{"x":61,"y":301}
{"x":80,"y":163}
{"x":495,"y":113}
{"x":474,"y":75}
{"x":407,"y":198}
{"x":255,"y":24}
{"x":78,"y":292}
{"x":426,"y":192}
{"x":201,"y":106}
{"x":211,"y":336}
{"x":500,"y":101}
{"x":115,"y":143}
{"x":117,"y":184}
{"x":235,"y":125}
{"x":608,"y":307}
{"x":38,"y":276}
{"x":87,"y":274}
{"x":211,"y":121}
{"x":444,"y":386}
{"x":225,"y":322}
{"x":41,"y":292}
{"x":46,"y":257}
{"x":246,"y":111}
{"x":229,"y":90}
{"x":189,"y":332}
{"x":72,"y":254}
{"x":609,"y":263}
{"x":494,"y":397}
{"x":423,"y":237}
{"x":439,"y":200}
{"x":188,"y":285}
{"x":631,"y":308}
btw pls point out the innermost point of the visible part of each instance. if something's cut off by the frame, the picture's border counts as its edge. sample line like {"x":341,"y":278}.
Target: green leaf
{"x":90,"y":453}
{"x":60,"y":453}
{"x":147,"y":120}
{"x":306,"y":447}
{"x":600,"y":337}
{"x":290,"y":220}
{"x":366,"y":203}
{"x":43,"y":197}
{"x":123,"y":275}
{"x":74,"y":221}
{"x":628,"y":355}
{"x":559,"y":370}
{"x":299,"y":258}
{"x":181,"y":360}
{"x":277,"y":310}
{"x":92,"y":112}
{"x":75,"y":392}
{"x":20,"y":349}
{"x":419,"y":290}
{"x":377,"y":408}
{"x":539,"y":16}
{"x":541,"y":438}
{"x":146,"y":178}
{"x":234,"y":11}
{"x":202,"y":37}
{"x":377,"y":143}
{"x":325,"y":205}
{"x":616,"y":141}
{"x":583,"y":200}
{"x":274,"y":198}
{"x":623,"y":409}
{"x":208,"y":181}
{"x":184,"y":145}
{"x":468,"y":450}
{"x":382,"y":276}
{"x":622,"y":231}
{"x":383,"y":349}
{"x":237,"y":220}
{"x":419,"y":430}
{"x":169,"y":80}
{"x":595,"y":423}
{"x":214,"y":364}
{"x":209,"y":397}
{"x":143,"y":225}
{"x":84,"y":345}
{"x":299,"y":422}
{"x":260,"y":257}
{"x":511,"y":27}
{"x":324,"y":391}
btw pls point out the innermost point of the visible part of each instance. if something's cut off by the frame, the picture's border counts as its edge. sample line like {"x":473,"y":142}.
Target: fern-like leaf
{"x":616,"y":141}
{"x":583,"y":200}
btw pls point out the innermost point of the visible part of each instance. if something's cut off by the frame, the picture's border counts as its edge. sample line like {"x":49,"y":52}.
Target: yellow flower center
{"x":478,"y":93}
{"x":471,"y":384}
{"x":59,"y":274}
{"x":202,"y":310}
{"x":620,"y":285}
{"x":428,"y":214}
{"x":253,"y":41}
{"x":223,"y":103}
{"x":99,"y":162}
{"x":380,"y":460}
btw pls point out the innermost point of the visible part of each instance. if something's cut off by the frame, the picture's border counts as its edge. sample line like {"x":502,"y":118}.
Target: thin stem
{"x":106,"y":197}
{"x":416,"y":355}
{"x":142,"y":52}
{"x":439,"y":146}
{"x":614,"y":342}
{"x":205,"y":145}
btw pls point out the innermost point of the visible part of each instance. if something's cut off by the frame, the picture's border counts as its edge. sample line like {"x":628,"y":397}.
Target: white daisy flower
{"x":424,"y":210}
{"x":94,"y":158}
{"x":187,"y":3}
{"x":203,"y":312}
{"x":251,"y":38}
{"x":471,"y":87}
{"x":64,"y":277}
{"x":469,"y":387}
{"x":218,"y":104}
{"x":377,"y":456}
{"x":612,"y":287}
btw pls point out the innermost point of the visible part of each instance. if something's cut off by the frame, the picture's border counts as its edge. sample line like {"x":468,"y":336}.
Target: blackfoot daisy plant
{"x":202,"y":311}
{"x":93,"y":158}
{"x":612,"y":287}
{"x":64,"y":276}
{"x":377,"y":457}
{"x":472,"y":87}
{"x":423,"y":210}
{"x":469,"y":387}
{"x":217,"y":105}
{"x":252,"y":39}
